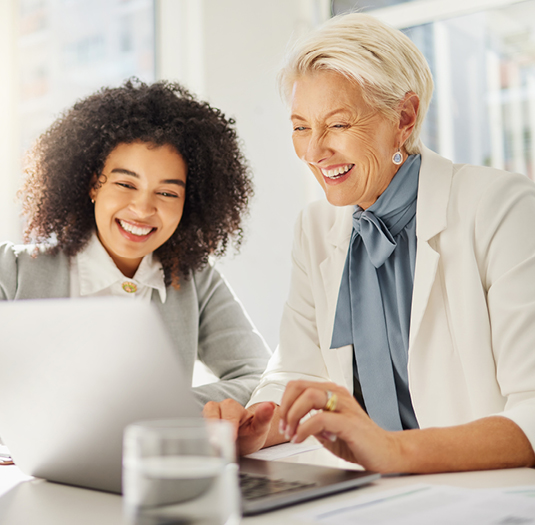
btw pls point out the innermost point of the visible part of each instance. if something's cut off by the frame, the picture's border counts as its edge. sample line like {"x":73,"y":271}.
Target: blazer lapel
{"x":331,"y":269}
{"x":434,"y":188}
{"x":332,"y":266}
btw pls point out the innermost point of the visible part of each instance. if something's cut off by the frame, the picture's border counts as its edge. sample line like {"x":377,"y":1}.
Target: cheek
{"x":369,"y":150}
{"x":103,"y":208}
{"x":173,"y":218}
{"x":363,"y":139}
{"x":319,"y":177}
{"x":299,"y":144}
{"x":99,"y":212}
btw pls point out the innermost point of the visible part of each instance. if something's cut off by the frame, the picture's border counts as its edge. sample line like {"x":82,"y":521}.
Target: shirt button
{"x":129,"y":287}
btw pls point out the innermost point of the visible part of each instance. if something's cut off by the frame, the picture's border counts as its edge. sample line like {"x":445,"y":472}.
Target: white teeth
{"x":136,"y":230}
{"x":336,"y":172}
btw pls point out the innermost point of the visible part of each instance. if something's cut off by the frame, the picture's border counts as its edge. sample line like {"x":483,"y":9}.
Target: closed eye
{"x":125,"y":185}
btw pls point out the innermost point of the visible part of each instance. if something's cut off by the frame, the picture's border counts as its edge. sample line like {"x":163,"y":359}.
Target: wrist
{"x":403,"y":450}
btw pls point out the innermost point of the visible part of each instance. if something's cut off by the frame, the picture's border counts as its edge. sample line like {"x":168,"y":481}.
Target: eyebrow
{"x":178,"y":182}
{"x":330,"y":114}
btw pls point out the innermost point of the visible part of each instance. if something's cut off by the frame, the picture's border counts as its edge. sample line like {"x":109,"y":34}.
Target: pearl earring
{"x":397,"y":158}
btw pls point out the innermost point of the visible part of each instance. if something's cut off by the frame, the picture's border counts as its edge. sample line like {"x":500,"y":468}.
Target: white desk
{"x":37,"y":502}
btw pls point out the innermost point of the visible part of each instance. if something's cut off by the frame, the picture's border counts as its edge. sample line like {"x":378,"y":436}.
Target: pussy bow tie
{"x":377,"y":239}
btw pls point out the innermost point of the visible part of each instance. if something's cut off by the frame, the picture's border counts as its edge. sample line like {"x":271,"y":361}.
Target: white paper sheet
{"x":285,"y":450}
{"x":527,"y":491}
{"x":431,"y":504}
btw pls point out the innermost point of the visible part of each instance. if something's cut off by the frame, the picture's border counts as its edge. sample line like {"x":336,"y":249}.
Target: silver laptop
{"x":75,"y":372}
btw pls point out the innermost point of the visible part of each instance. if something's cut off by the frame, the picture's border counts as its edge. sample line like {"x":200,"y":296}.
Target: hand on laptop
{"x":343,"y":427}
{"x":256,"y":426}
{"x":339,"y":423}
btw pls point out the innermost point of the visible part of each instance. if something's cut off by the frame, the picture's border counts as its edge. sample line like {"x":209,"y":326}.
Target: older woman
{"x":413,"y":286}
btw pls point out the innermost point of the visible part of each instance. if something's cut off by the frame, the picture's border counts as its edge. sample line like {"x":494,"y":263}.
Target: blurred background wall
{"x":52,"y":52}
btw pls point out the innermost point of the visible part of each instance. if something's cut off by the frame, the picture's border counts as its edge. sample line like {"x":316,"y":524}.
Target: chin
{"x":339,"y":200}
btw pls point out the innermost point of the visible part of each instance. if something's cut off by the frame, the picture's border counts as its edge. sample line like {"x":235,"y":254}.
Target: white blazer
{"x":472,"y":330}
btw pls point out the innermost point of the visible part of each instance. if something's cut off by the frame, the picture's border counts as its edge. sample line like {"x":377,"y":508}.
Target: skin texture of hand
{"x":488,"y":443}
{"x":254,"y":428}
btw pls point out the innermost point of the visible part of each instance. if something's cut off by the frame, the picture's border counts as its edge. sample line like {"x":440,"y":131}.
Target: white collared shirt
{"x":94,"y":274}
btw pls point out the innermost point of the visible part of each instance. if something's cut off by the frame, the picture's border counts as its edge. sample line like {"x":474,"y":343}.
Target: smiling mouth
{"x":139,"y":231}
{"x":336,"y":173}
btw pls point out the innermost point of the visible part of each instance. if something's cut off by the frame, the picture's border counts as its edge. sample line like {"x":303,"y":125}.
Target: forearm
{"x":489,"y":443}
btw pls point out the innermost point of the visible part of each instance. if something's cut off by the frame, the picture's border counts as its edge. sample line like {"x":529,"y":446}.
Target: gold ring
{"x":332,"y":400}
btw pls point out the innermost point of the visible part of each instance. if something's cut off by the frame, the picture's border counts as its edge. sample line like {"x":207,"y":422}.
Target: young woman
{"x":128,"y":194}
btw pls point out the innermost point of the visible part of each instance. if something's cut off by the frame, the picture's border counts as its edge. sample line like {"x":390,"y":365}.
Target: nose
{"x":316,"y":149}
{"x":143,"y":204}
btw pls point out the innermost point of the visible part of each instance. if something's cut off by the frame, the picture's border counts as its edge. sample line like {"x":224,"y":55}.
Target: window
{"x":483,"y":64}
{"x":68,"y":49}
{"x":52,"y":53}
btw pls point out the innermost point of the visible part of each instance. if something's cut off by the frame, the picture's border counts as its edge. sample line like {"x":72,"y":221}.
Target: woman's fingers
{"x":294,"y":389}
{"x":341,"y":425}
{"x":327,"y":425}
{"x":212,"y":410}
{"x":301,"y":397}
{"x":228,"y":409}
{"x":309,"y":399}
{"x":358,"y":438}
{"x":332,"y":430}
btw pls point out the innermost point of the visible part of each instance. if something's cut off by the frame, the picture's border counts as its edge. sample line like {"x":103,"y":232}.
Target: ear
{"x":408,"y":112}
{"x":93,"y":187}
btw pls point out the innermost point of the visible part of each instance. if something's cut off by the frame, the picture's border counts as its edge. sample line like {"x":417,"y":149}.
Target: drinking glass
{"x":180,"y":471}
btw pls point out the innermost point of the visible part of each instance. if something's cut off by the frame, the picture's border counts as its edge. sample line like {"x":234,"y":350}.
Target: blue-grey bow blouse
{"x":374,"y":302}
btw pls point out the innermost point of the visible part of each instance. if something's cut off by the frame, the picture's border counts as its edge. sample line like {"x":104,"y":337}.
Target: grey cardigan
{"x":203,"y":317}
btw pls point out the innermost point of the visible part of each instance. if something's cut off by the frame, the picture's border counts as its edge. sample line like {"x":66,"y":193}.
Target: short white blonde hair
{"x":381,"y":59}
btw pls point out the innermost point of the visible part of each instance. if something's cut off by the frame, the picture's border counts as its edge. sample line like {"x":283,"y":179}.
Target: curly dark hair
{"x":63,"y":162}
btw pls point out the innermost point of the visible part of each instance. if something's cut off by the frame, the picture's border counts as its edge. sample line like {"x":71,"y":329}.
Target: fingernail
{"x":282,"y":426}
{"x":329,"y":435}
{"x":294,"y":439}
{"x":287,"y":434}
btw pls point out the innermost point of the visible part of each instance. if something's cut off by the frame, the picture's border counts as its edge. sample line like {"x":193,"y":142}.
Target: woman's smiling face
{"x":139,"y":201}
{"x":347,"y":144}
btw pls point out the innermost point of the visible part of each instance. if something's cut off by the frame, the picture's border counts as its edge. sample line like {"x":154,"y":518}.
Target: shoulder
{"x":489,"y":190}
{"x":211,"y":289}
{"x":199,"y":285}
{"x":205,"y":276}
{"x":7,"y":251}
{"x":442,"y":180}
{"x":319,"y":212}
{"x":479,"y":178}
{"x":29,"y":271}
{"x":321,"y":226}
{"x":439,"y":174}
{"x":460,"y":192}
{"x":11,"y":253}
{"x":23,"y":253}
{"x":8,"y":259}
{"x":322,"y":219}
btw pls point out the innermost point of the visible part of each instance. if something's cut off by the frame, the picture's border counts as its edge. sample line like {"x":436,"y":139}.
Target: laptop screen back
{"x":73,"y":374}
